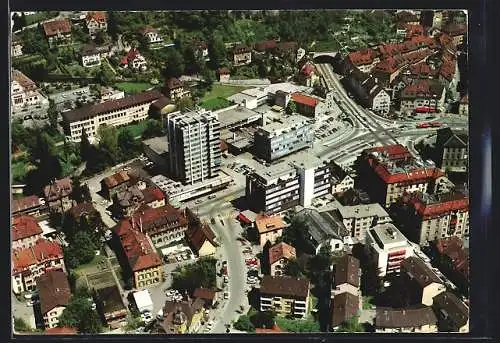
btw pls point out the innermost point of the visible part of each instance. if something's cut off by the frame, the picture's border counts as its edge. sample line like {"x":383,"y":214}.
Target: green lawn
{"x":93,"y":263}
{"x":329,"y":45}
{"x":133,"y":87}
{"x":135,"y":129}
{"x":19,"y":169}
{"x":221,"y":91}
{"x":215,"y":104}
{"x":37,"y":17}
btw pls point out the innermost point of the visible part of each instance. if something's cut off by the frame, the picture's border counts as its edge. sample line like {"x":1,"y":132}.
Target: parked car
{"x":226,"y":295}
{"x":212,"y":196}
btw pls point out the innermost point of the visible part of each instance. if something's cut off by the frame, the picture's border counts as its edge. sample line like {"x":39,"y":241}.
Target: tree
{"x":216,"y":50}
{"x":52,"y":114}
{"x":108,"y":139}
{"x":185,"y":103}
{"x":174,"y":64}
{"x":202,"y":273}
{"x":79,"y":314}
{"x":153,"y":129}
{"x":292,"y":268}
{"x":127,"y":143}
{"x":81,"y":249}
{"x":291,"y":108}
{"x":85,"y":146}
{"x":77,"y":190}
{"x":351,"y":325}
{"x":20,"y":325}
{"x":105,"y":76}
{"x":264,"y":319}
{"x":244,"y":324}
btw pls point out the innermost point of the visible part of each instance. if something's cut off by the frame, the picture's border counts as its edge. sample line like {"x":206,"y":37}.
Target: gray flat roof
{"x":323,"y":225}
{"x":284,"y":123}
{"x":157,"y":144}
{"x":235,"y":115}
{"x":363,"y":211}
{"x":274,"y":171}
{"x":305,"y":159}
{"x":387,"y":233}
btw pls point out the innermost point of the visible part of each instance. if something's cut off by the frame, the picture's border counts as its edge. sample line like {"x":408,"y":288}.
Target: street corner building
{"x":55,"y":294}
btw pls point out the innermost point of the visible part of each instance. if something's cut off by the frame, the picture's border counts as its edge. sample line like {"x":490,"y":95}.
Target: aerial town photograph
{"x":251,"y":172}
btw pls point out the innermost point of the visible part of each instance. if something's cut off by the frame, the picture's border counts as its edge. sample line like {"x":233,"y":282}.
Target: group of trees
{"x":254,"y":319}
{"x":79,"y":314}
{"x":202,"y":273}
{"x":114,"y":146}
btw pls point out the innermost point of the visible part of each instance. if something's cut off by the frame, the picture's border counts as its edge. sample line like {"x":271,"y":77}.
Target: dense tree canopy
{"x":202,"y":273}
{"x":79,"y":314}
{"x":153,"y":129}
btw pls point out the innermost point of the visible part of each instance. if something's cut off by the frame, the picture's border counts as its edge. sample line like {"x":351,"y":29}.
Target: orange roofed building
{"x":32,"y":262}
{"x":388,"y":172}
{"x":139,"y":257}
{"x":25,"y":232}
{"x":269,"y":228}
{"x":279,"y":255}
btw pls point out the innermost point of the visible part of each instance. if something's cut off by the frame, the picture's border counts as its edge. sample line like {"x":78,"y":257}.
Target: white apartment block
{"x":113,"y":113}
{"x":381,"y":102}
{"x":388,"y":248}
{"x":194,"y":145}
{"x":24,"y":92}
{"x":314,"y":177}
{"x":359,"y":218}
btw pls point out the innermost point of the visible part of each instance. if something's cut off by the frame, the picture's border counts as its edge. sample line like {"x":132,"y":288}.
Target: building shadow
{"x":254,"y":298}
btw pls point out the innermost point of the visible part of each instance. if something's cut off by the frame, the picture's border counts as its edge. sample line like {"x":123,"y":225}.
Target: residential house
{"x":134,"y":60}
{"x":324,"y":229}
{"x":133,"y":108}
{"x":408,"y":17}
{"x":25,"y":93}
{"x":25,"y":232}
{"x":308,"y":75}
{"x":344,"y":307}
{"x":358,"y":219}
{"x":201,"y":50}
{"x":55,"y":294}
{"x":364,"y":60}
{"x":30,"y":206}
{"x":452,"y":150}
{"x":224,"y":74}
{"x":242,"y":55}
{"x":61,"y":331}
{"x":341,"y":179}
{"x":423,"y":93}
{"x":162,"y":225}
{"x":128,"y":201}
{"x":368,"y":91}
{"x":90,"y":56}
{"x":30,"y":263}
{"x":16,"y":49}
{"x":453,"y":260}
{"x":285,"y":295}
{"x":108,"y":93}
{"x":207,"y":295}
{"x":151,"y":35}
{"x":58,"y":195}
{"x":407,"y":31}
{"x":346,"y":277}
{"x":456,"y":31}
{"x":265,"y":46}
{"x":153,"y":197}
{"x":57,"y":32}
{"x":139,"y":257}
{"x":429,"y":217}
{"x":452,"y":313}
{"x":110,"y":306}
{"x":387,"y":248}
{"x":269,"y":228}
{"x":279,"y":256}
{"x":96,"y":22}
{"x":180,"y":317}
{"x":175,"y":89}
{"x":287,"y":50}
{"x":202,"y":240}
{"x":463,"y":107}
{"x":389,"y":171}
{"x":414,"y":320}
{"x":82,"y":210}
{"x":113,"y":184}
{"x":428,"y":283}
{"x":308,"y":105}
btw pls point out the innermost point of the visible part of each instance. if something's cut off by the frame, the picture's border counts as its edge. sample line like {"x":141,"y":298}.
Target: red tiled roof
{"x":197,"y":236}
{"x":241,"y":49}
{"x":422,"y":69}
{"x":19,"y":205}
{"x":281,"y":250}
{"x":42,"y":251}
{"x":448,"y":69}
{"x":265,"y":45}
{"x":275,"y":329}
{"x":153,"y":194}
{"x":24,"y":227}
{"x":82,"y":209}
{"x":116,"y":179}
{"x":204,"y":293}
{"x":61,"y":331}
{"x":223,"y":71}
{"x":304,"y":99}
{"x":138,"y":249}
{"x":393,"y":152}
{"x":269,"y":223}
{"x":442,"y":203}
{"x":465,"y":99}
{"x":423,"y":88}
{"x":173,"y":83}
{"x":98,"y":16}
{"x":455,"y":29}
{"x":147,"y":29}
{"x":363,"y":56}
{"x":308,"y":69}
{"x":223,"y":146}
{"x":53,"y":289}
{"x":287,"y":46}
{"x":453,"y":247}
{"x":413,"y":30}
{"x":60,"y":189}
{"x":131,"y":55}
{"x":23,"y":80}
{"x":53,"y":27}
